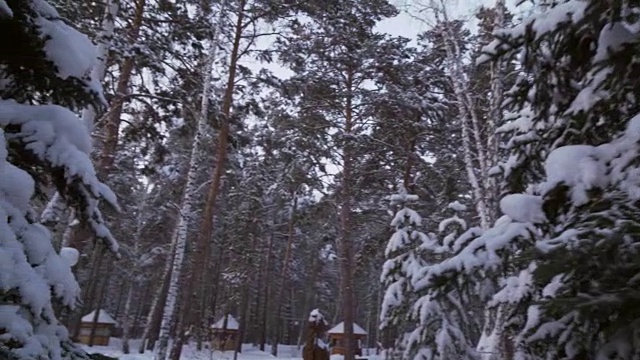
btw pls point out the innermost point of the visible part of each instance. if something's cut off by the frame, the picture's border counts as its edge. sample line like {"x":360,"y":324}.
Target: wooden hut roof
{"x":103,"y":318}
{"x":232,"y":324}
{"x":339,"y":329}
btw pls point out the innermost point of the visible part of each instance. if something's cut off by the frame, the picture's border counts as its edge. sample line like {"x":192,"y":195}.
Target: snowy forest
{"x":468,"y":193}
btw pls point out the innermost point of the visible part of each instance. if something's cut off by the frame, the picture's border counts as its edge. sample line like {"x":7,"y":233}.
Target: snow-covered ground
{"x":189,"y":352}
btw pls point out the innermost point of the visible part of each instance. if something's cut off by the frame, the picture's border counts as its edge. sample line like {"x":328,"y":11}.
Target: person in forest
{"x":314,"y":347}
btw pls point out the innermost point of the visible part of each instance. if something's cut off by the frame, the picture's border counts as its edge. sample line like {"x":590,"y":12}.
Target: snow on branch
{"x":56,"y":140}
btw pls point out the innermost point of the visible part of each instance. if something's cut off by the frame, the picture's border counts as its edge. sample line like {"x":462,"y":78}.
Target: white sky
{"x":406,"y":24}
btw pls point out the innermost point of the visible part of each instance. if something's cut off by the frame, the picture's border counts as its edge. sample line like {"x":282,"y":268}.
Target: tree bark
{"x":206,"y":224}
{"x":265,"y":302}
{"x":283,"y":275}
{"x":113,"y":117}
{"x":126,"y":327}
{"x":346,"y":256}
{"x":154,"y":318}
{"x":308,"y":296}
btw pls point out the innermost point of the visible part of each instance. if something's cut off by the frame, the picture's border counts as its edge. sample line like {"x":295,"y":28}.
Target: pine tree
{"x":333,"y":57}
{"x":49,"y":62}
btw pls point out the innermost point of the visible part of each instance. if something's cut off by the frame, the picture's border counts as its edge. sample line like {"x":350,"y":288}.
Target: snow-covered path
{"x":249,"y":352}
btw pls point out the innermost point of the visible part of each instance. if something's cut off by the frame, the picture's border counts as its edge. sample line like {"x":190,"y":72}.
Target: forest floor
{"x":189,"y":352}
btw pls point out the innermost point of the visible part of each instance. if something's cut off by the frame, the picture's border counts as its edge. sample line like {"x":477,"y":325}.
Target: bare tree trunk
{"x":154,"y":318}
{"x":283,"y":275}
{"x":346,"y":255}
{"x":96,"y":316}
{"x":265,"y":302}
{"x":206,"y":224}
{"x":180,"y":237}
{"x":89,"y":295}
{"x":257,"y":306}
{"x":126,"y":326}
{"x":199,"y":152}
{"x":470,"y":125}
{"x":244,"y":309}
{"x":308,"y":296}
{"x":139,"y":307}
{"x":113,"y":117}
{"x":407,"y":178}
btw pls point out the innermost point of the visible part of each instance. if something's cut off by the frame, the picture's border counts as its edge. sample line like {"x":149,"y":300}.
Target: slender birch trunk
{"x":206,"y":224}
{"x":126,"y":328}
{"x":199,"y":154}
{"x":469,"y":126}
{"x":152,"y":326}
{"x":494,"y":341}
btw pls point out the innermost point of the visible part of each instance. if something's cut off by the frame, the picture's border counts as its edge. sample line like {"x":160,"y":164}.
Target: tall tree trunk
{"x":308,"y":296}
{"x":134,"y":283}
{"x":244,"y":309}
{"x":480,"y":181}
{"x":154,"y":318}
{"x":258,"y":298}
{"x":407,"y":180}
{"x":265,"y":302}
{"x":283,"y":275}
{"x":346,"y":255}
{"x":96,"y":316}
{"x":126,"y":326}
{"x":493,"y":339}
{"x":180,"y":239}
{"x":97,"y":257}
{"x":112,"y":118}
{"x":198,"y":155}
{"x":192,"y":316}
{"x":216,"y":282}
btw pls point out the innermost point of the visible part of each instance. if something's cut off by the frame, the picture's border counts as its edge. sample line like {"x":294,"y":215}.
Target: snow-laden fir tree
{"x":577,"y":105}
{"x":446,"y":323}
{"x":562,"y":263}
{"x":44,"y":76}
{"x":403,"y":262}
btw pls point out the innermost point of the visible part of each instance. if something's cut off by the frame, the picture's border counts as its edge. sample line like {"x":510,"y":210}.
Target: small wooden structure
{"x":225,"y":337}
{"x":104,"y":328}
{"x":337,"y":339}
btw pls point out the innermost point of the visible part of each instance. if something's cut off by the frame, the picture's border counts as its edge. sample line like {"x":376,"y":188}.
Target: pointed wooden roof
{"x":103,"y":317}
{"x":339,"y":329}
{"x":232,"y":324}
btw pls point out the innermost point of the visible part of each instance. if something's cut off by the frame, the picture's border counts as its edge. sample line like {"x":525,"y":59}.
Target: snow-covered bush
{"x":44,"y":71}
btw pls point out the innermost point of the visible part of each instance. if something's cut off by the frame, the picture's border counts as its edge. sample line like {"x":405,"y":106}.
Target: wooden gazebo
{"x":225,"y":337}
{"x":337,"y":339}
{"x":104,"y":328}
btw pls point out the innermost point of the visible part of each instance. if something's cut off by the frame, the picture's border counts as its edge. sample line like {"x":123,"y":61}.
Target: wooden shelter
{"x":104,"y":328}
{"x":337,"y":339}
{"x":225,"y":337}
